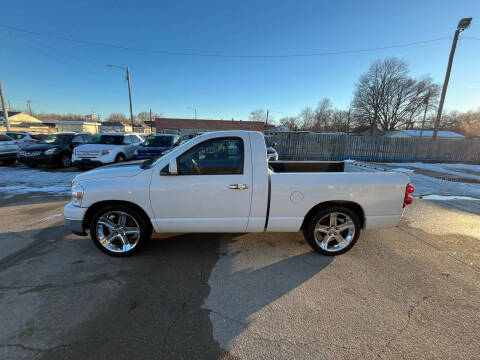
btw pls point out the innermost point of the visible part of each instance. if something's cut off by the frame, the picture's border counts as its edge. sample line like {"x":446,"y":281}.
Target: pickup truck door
{"x":212,"y":191}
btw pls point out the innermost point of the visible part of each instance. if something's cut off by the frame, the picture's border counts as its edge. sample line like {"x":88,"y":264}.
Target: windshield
{"x":160,"y":141}
{"x":107,"y":139}
{"x":57,"y":139}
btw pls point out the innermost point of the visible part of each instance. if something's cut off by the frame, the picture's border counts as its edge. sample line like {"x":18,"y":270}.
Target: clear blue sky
{"x":61,"y":76}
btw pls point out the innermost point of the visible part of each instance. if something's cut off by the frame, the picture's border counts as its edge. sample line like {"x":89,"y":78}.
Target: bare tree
{"x":145,"y":116}
{"x":53,"y":116}
{"x":258,"y":115}
{"x":323,"y":115}
{"x":292,"y":122}
{"x":306,"y":118}
{"x":386,"y":97}
{"x":117,"y":117}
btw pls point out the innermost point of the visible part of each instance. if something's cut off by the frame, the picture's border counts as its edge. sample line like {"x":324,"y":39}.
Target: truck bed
{"x":285,"y":166}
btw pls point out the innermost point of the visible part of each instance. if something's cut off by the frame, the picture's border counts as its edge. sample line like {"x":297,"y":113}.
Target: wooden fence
{"x":375,"y":148}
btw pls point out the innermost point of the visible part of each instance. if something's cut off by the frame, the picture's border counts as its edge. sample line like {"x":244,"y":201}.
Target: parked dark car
{"x":55,"y":149}
{"x":157,"y":145}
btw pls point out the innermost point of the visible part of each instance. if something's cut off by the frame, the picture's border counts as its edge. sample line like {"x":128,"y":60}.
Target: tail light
{"x":408,"y":198}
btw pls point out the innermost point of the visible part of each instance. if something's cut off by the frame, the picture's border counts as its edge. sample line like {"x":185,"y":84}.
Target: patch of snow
{"x":23,"y":180}
{"x":449,"y":169}
{"x":429,"y":185}
{"x":448,"y":197}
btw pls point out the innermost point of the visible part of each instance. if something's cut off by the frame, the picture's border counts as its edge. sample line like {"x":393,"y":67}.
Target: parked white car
{"x":24,"y":138}
{"x":8,"y":149}
{"x":221,"y":182}
{"x":106,"y":148}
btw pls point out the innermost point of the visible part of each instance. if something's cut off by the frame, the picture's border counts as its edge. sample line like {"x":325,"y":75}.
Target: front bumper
{"x":88,"y":163}
{"x":74,"y":218}
{"x":39,"y":159}
{"x":8,"y":156}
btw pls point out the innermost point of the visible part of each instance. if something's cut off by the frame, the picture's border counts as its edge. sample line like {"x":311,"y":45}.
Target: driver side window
{"x":219,"y":156}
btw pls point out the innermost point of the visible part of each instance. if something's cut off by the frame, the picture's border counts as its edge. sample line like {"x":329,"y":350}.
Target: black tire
{"x":65,"y":160}
{"x":120,"y":158}
{"x":337,"y":247}
{"x":32,"y":165}
{"x":143,"y":225}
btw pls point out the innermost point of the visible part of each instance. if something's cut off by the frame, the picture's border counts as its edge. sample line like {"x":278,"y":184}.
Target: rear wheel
{"x":119,"y":230}
{"x":333,"y":230}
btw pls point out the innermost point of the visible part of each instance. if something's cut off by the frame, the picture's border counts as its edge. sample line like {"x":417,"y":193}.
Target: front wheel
{"x":119,"y":230}
{"x":65,"y":161}
{"x":120,"y":158}
{"x":333,"y":230}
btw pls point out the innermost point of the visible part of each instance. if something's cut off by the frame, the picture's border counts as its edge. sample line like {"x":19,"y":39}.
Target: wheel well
{"x":93,"y":209}
{"x":120,"y":153}
{"x":357,"y":209}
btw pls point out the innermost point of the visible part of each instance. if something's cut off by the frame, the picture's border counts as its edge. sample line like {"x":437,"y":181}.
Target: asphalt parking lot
{"x":408,"y":292}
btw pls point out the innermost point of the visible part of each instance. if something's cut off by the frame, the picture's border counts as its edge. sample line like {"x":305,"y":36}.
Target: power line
{"x":469,"y":38}
{"x":175,"y":53}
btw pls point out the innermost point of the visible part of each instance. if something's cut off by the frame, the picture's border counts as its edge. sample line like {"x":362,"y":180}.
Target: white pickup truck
{"x":222,"y":182}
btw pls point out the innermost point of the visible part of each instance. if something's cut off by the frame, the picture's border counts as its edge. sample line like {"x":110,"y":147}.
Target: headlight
{"x":106,"y":151}
{"x":77,"y":195}
{"x":50,"y":151}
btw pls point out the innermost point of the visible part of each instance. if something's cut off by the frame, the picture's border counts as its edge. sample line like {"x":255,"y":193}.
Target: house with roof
{"x":21,"y":121}
{"x":192,"y":126}
{"x":114,"y":126}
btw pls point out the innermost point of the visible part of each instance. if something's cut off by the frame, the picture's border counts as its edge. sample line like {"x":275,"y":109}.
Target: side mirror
{"x":172,"y":168}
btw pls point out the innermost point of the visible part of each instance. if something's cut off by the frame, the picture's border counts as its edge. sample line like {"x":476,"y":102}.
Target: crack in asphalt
{"x":410,"y":312}
{"x":177,"y":317}
{"x":42,"y":350}
{"x":439,"y":249}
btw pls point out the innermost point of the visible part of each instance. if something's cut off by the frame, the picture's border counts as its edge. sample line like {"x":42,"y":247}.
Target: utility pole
{"x":425,"y":101}
{"x":462,"y":25}
{"x":151,"y":124}
{"x":130,"y":96}
{"x":266,"y":119}
{"x":9,"y":106}
{"x":94,"y":120}
{"x":29,"y":107}
{"x":5,"y":111}
{"x":195,"y":113}
{"x":129,"y":88}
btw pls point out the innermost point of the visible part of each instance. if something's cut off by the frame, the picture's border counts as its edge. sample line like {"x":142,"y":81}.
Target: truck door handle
{"x":238,"y":186}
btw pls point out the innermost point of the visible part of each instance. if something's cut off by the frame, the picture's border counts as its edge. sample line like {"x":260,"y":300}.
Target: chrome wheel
{"x":117,"y":231}
{"x":334,"y":232}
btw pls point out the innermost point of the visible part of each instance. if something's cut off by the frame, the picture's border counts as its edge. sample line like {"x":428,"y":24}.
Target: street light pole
{"x":130,"y":96}
{"x":129,"y":89}
{"x":5,"y":110}
{"x":462,"y":25}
